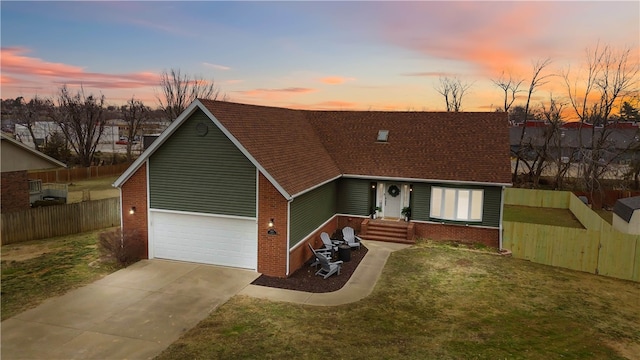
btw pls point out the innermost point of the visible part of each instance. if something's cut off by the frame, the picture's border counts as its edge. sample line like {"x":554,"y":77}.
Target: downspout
{"x":288,"y":233}
{"x":121,"y":210}
{"x":501,"y":213}
{"x":150,"y":239}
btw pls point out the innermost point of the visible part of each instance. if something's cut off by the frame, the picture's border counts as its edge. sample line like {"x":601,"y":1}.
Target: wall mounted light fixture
{"x":132,"y":210}
{"x":271,"y":230}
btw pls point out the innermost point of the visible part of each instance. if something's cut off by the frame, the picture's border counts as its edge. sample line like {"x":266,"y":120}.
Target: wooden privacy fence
{"x":75,"y":174}
{"x":598,"y":249}
{"x":58,"y":220}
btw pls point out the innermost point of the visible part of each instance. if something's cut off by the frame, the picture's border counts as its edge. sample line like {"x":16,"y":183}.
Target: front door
{"x":393,"y":201}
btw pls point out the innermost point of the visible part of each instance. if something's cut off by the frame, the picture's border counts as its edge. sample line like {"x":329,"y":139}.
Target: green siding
{"x":491,"y":206}
{"x":354,"y":197}
{"x":421,"y":201}
{"x":205,"y":174}
{"x":310,"y":210}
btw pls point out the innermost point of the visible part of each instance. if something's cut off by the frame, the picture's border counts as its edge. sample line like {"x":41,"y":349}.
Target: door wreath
{"x":394,"y":190}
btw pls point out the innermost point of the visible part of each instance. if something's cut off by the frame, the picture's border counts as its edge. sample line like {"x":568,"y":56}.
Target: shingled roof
{"x":301,"y":149}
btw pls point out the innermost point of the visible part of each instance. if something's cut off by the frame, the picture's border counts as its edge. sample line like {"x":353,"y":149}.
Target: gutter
{"x":501,"y":215}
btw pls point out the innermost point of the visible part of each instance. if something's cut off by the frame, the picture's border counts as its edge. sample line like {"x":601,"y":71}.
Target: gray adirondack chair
{"x":350,"y":238}
{"x":327,"y":267}
{"x":317,"y":253}
{"x":329,"y":243}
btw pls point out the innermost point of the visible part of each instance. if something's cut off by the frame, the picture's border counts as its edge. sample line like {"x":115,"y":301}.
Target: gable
{"x":280,"y":140}
{"x":199,"y":169}
{"x":17,"y":157}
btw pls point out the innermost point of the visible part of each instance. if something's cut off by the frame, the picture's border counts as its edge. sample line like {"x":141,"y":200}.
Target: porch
{"x":397,"y":231}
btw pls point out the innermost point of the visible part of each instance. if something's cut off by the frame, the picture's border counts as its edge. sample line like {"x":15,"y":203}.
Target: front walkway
{"x":359,"y":286}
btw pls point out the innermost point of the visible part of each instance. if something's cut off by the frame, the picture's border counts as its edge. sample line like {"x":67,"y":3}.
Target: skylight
{"x":383,"y":135}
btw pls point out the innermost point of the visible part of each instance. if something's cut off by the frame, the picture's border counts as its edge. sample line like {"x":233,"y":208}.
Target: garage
{"x":204,"y":239}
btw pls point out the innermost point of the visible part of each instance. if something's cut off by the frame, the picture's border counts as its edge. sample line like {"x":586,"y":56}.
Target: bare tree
{"x":135,"y":113}
{"x":29,"y":113}
{"x":511,"y":88}
{"x":453,"y":91}
{"x":81,"y":120}
{"x":179,"y":90}
{"x":561,"y":158}
{"x":610,"y":77}
{"x":537,"y":80}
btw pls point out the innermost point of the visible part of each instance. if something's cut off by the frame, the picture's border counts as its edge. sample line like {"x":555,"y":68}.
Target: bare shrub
{"x":125,"y":247}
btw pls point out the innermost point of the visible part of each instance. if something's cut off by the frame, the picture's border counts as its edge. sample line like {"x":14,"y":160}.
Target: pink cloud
{"x":335,"y":80}
{"x":488,"y":36}
{"x":21,"y":67}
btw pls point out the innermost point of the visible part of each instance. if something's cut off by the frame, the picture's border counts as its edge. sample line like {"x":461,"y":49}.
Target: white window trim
{"x":439,"y":212}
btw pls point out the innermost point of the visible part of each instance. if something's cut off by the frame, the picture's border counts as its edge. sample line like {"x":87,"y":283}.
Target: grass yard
{"x":36,"y":270}
{"x":98,"y":189}
{"x":436,"y":302}
{"x":544,"y":216}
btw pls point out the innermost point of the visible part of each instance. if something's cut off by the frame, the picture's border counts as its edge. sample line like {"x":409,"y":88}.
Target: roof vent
{"x":383,"y":135}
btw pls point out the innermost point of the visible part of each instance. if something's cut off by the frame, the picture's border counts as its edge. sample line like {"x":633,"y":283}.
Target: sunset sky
{"x":319,"y":55}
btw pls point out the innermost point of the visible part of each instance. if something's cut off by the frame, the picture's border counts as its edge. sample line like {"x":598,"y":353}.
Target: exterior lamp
{"x":271,"y":230}
{"x":132,"y":210}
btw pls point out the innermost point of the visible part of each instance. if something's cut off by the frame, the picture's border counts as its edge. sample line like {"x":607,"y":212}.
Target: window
{"x":383,"y":135}
{"x":456,"y":204}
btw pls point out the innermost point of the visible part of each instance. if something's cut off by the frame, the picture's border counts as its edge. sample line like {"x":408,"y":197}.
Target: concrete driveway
{"x":134,"y":313}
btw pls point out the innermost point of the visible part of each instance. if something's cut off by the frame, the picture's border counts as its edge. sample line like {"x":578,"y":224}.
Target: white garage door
{"x":204,"y":239}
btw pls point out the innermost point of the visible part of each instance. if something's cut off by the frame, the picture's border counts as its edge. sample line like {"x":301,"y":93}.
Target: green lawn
{"x":436,"y":302}
{"x":538,"y":215}
{"x":97,"y":188}
{"x":36,"y":270}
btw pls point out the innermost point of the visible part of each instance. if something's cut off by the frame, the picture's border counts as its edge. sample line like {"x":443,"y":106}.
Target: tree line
{"x":81,"y":117}
{"x":607,"y":81}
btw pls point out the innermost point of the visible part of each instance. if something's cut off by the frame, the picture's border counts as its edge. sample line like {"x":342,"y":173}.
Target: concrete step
{"x":388,"y":239}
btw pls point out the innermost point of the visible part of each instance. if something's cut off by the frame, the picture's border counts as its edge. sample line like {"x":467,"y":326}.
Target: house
{"x":17,"y":160}
{"x":626,"y":215}
{"x":249,"y":186}
{"x":571,"y":141}
{"x":43,"y":130}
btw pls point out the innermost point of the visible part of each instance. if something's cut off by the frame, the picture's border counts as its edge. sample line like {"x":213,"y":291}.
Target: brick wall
{"x":459,"y":233}
{"x":354,"y":222}
{"x":14,"y":191}
{"x":134,"y":194}
{"x":272,"y":249}
{"x":301,"y":254}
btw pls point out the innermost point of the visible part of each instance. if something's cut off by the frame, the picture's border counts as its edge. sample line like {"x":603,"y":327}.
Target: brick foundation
{"x":272,"y":249}
{"x":458,"y":233}
{"x":354,"y":222}
{"x":134,"y":194}
{"x":14,"y":191}
{"x":301,"y":254}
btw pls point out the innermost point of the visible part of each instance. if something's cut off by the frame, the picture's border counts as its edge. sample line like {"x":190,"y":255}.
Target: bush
{"x":125,"y":247}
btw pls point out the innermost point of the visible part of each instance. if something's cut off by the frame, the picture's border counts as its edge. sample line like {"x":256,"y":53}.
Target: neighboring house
{"x":248,"y":186}
{"x":17,"y":160}
{"x":42,"y":130}
{"x":626,"y":215}
{"x":620,"y":145}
